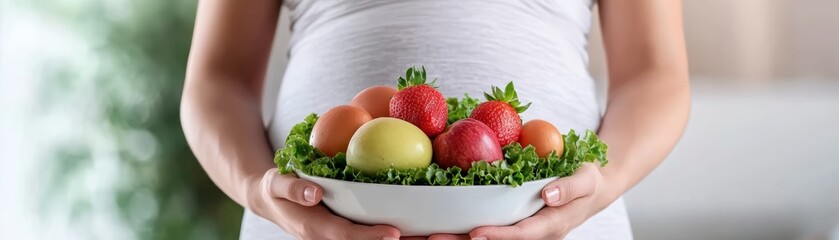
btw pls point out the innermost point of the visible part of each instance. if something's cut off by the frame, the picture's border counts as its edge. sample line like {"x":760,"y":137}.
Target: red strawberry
{"x":419,"y":103}
{"x":501,"y":113}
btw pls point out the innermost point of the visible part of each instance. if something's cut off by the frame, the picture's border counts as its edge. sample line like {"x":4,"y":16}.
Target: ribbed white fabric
{"x":338,"y":48}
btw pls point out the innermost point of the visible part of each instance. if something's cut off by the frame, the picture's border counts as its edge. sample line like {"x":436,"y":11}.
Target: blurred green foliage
{"x":141,"y":48}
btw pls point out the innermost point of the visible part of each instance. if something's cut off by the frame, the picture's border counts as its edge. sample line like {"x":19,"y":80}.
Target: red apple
{"x":466,"y":141}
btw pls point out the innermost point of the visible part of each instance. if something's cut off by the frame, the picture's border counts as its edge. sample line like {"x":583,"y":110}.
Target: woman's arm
{"x":648,"y":106}
{"x":220,"y":109}
{"x":649,"y":90}
{"x":220,"y":114}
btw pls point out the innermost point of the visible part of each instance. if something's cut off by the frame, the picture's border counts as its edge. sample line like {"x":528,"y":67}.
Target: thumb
{"x":564,"y":190}
{"x":289,"y":187}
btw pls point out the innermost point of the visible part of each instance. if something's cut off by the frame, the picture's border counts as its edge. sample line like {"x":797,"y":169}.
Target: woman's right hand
{"x":292,"y":203}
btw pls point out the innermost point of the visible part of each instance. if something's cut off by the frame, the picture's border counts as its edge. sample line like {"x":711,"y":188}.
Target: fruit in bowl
{"x":388,"y":142}
{"x":406,"y":171}
{"x":466,"y":141}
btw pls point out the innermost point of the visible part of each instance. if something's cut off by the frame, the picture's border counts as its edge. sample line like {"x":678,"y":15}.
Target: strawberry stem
{"x":507,"y":95}
{"x":413,"y":77}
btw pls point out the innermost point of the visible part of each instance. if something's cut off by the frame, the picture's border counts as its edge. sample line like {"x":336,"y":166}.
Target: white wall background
{"x":755,"y":163}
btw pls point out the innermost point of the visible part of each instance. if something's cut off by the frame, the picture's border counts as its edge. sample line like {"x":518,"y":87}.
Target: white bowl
{"x":425,"y":210}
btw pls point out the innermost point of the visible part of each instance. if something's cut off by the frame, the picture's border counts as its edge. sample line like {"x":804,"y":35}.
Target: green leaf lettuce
{"x":520,"y":164}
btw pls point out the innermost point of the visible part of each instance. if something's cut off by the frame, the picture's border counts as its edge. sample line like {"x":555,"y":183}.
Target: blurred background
{"x":93,"y":149}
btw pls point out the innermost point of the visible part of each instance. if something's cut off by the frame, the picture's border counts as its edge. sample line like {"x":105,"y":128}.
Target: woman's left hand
{"x":571,"y":200}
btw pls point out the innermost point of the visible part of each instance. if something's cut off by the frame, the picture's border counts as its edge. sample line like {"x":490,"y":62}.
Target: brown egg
{"x":333,"y":131}
{"x":375,"y":100}
{"x":543,"y":136}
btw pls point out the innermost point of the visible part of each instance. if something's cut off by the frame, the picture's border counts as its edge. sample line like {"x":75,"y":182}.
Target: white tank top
{"x":338,"y":48}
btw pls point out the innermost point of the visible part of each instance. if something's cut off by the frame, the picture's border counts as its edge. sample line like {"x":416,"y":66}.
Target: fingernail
{"x":479,"y":238}
{"x":552,"y":194}
{"x":309,"y":194}
{"x":390,"y":238}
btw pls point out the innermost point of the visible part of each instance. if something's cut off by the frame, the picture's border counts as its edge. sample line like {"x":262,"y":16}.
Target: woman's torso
{"x":338,"y":48}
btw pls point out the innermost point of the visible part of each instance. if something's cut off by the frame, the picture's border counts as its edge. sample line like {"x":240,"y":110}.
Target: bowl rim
{"x":545,"y":180}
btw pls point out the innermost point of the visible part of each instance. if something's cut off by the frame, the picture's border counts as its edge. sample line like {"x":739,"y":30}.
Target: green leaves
{"x":460,"y":109}
{"x":520,"y":164}
{"x":507,"y":95}
{"x":413,"y":77}
{"x":297,"y":146}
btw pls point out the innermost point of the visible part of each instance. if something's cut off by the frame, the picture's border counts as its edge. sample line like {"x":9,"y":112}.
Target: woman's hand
{"x":570,"y":201}
{"x":292,"y":203}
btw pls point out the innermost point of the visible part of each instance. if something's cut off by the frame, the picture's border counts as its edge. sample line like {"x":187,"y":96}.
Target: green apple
{"x":388,"y":142}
